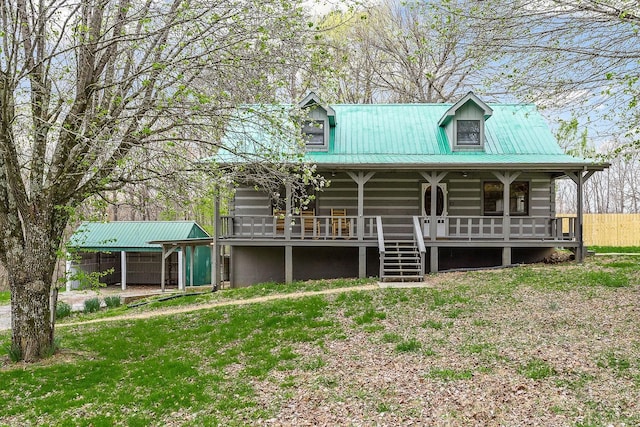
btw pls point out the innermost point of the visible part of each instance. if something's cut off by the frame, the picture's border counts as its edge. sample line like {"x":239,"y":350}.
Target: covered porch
{"x":370,"y":225}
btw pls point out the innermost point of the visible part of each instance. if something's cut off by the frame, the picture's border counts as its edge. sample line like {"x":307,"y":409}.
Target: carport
{"x":131,"y":253}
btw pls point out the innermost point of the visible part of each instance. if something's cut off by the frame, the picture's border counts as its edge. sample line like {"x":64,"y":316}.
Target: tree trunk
{"x":30,"y":266}
{"x":32,"y":330}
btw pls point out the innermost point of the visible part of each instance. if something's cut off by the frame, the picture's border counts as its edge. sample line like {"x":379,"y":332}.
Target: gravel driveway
{"x":5,"y":317}
{"x":76,"y":299}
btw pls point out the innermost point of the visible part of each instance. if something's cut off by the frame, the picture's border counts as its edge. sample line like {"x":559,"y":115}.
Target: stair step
{"x":394,"y":261}
{"x":402,"y":279}
{"x":402,"y":260}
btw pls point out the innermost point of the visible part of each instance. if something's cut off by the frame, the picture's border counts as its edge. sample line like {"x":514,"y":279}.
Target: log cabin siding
{"x":391,"y":194}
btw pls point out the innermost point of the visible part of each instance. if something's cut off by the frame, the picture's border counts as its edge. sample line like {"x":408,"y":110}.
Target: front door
{"x":441,"y":208}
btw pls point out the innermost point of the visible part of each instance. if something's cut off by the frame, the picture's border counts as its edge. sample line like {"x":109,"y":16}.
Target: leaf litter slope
{"x":527,"y":346}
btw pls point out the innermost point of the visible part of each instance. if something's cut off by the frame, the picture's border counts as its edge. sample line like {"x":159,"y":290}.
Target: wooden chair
{"x":340,"y":224}
{"x":279,"y":214}
{"x":307,"y":219}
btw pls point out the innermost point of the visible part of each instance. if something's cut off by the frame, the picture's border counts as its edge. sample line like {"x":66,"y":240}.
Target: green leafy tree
{"x":98,"y":94}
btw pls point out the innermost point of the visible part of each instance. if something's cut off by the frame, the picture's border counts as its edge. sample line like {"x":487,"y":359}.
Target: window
{"x":468,"y":132}
{"x":313,"y":131}
{"x":440,"y":200}
{"x":518,"y":198}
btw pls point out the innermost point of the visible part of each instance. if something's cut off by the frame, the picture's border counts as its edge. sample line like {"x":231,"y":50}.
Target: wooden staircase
{"x":401,"y":261}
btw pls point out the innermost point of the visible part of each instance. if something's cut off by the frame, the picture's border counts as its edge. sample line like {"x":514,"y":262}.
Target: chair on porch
{"x":307,"y":219}
{"x":279,"y":215}
{"x":340,"y":224}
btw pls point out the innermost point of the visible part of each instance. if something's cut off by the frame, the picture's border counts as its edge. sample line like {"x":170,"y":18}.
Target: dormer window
{"x":317,"y":123}
{"x":464,"y":123}
{"x":468,"y":132}
{"x":313,"y":131}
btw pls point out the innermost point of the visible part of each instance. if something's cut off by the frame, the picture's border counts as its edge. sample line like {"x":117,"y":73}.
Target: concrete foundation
{"x":254,"y":264}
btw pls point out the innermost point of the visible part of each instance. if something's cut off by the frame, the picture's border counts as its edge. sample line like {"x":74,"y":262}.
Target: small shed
{"x":124,"y":250}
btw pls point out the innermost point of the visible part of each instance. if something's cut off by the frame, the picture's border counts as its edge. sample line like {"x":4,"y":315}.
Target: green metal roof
{"x":408,"y":135}
{"x":132,"y":236}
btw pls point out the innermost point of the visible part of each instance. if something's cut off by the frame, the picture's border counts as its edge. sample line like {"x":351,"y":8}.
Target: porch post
{"x":182,"y":268}
{"x":68,"y":272}
{"x":288,"y":264}
{"x":580,"y":178}
{"x":215,"y":257}
{"x":433,"y":179}
{"x":287,"y":217}
{"x":192,"y":255}
{"x":506,"y":179}
{"x":162,"y":268}
{"x":506,"y":255}
{"x":123,"y":270}
{"x":433,"y":259}
{"x":361,"y":179}
{"x":433,"y":221}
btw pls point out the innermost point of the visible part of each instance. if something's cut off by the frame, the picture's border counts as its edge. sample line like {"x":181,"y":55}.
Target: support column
{"x":433,"y":259}
{"x":506,"y":255}
{"x":361,"y":179}
{"x":287,"y":216}
{"x":433,"y":178}
{"x":580,"y":219}
{"x":166,"y":254}
{"x":68,"y":272}
{"x":123,"y":270}
{"x":362,"y":262}
{"x":506,"y":179}
{"x":288,"y":264}
{"x":580,"y":177}
{"x":162,"y":268}
{"x":192,"y":255}
{"x":215,"y":255}
{"x":181,"y":269}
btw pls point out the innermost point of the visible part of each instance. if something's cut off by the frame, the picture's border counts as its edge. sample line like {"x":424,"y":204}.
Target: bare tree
{"x":96,"y":94}
{"x":574,"y":56}
{"x":396,"y":51}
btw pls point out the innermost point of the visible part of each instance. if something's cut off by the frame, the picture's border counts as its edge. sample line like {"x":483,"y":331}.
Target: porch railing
{"x":346,"y":227}
{"x":493,"y":227}
{"x":297,"y":227}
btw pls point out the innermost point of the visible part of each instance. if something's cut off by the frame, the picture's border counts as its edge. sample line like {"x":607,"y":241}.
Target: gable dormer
{"x":317,"y":123}
{"x":464,"y":123}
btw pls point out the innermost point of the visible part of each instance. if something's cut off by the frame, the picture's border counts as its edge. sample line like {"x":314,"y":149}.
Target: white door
{"x":441,"y":208}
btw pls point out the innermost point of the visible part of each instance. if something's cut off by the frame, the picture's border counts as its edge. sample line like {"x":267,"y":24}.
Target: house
{"x":414,"y":189}
{"x":132,"y":253}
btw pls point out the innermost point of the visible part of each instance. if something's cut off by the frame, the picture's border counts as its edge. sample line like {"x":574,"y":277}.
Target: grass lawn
{"x":545,"y":345}
{"x":5,"y":297}
{"x":615,"y":249}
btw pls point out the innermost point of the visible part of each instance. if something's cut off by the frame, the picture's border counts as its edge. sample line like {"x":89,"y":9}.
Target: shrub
{"x":15,"y":355}
{"x":112,"y":301}
{"x":91,"y":305}
{"x":62,"y":310}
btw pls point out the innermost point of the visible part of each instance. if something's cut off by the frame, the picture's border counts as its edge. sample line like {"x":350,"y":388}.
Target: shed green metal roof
{"x":408,"y":135}
{"x":132,"y":236}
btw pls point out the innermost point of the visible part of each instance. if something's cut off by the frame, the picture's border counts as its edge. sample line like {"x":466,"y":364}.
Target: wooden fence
{"x":609,"y":229}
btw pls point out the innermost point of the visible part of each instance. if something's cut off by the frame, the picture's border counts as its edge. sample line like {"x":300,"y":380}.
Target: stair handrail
{"x":417,"y":231}
{"x":380,"y":234}
{"x":380,"y":244}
